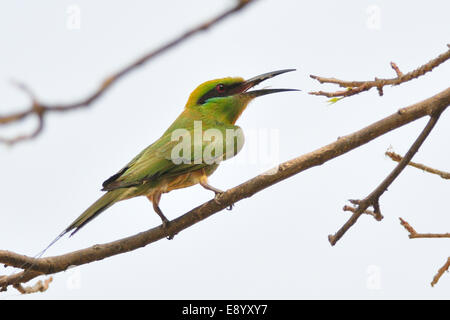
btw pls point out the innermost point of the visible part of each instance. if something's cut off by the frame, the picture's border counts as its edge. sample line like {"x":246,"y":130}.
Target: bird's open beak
{"x":250,"y":83}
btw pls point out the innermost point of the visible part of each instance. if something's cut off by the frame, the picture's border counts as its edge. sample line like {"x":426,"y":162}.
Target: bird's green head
{"x":226,"y":98}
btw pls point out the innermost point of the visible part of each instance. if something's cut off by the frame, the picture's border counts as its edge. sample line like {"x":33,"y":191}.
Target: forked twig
{"x":355,"y":87}
{"x":40,"y":286}
{"x":415,"y":235}
{"x":373,"y":198}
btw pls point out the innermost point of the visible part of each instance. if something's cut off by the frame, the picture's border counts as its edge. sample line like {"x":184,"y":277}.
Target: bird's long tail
{"x":103,"y":203}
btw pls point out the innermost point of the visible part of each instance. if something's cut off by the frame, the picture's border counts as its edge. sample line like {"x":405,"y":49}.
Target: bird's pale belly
{"x":178,"y":182}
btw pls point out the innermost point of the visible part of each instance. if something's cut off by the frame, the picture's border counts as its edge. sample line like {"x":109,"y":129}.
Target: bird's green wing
{"x":178,"y":152}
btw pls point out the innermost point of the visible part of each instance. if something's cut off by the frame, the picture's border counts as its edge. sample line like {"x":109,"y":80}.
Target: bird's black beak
{"x":250,"y":83}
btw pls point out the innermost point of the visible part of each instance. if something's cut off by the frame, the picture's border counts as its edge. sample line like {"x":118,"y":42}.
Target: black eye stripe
{"x":214,"y":92}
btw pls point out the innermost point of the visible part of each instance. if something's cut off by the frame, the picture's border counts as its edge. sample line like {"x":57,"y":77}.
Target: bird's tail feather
{"x":103,"y":203}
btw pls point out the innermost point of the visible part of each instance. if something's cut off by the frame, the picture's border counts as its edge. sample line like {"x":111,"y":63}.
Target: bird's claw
{"x":217,"y":200}
{"x":165,"y":224}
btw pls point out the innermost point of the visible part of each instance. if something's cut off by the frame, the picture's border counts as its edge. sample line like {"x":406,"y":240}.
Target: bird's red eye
{"x":220,"y":88}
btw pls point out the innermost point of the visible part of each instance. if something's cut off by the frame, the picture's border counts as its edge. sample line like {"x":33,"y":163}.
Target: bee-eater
{"x":216,"y":104}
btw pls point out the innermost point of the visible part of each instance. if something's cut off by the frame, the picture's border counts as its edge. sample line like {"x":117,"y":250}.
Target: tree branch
{"x":440,"y":272}
{"x":374,"y":197}
{"x":40,"y":109}
{"x":38,"y":287}
{"x":369,"y":212}
{"x":396,"y":157}
{"x":355,"y":87}
{"x":50,"y":265}
{"x":415,"y":235}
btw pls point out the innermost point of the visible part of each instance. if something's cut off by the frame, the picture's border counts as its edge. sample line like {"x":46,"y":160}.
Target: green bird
{"x":215,"y":104}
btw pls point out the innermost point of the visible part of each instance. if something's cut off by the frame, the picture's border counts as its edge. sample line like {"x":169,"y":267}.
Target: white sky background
{"x":274,"y":244}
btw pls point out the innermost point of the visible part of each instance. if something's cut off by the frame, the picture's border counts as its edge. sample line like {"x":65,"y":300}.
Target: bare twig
{"x":40,"y":109}
{"x":355,"y":87}
{"x":373,"y":198}
{"x":369,"y":212}
{"x":415,"y":235}
{"x":285,"y":170}
{"x":440,"y":272}
{"x":396,"y":157}
{"x":396,"y":69}
{"x":38,"y":287}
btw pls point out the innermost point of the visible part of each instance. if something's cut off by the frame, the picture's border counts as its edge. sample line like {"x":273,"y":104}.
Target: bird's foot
{"x":166,"y":224}
{"x":218,"y":193}
{"x":217,"y":196}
